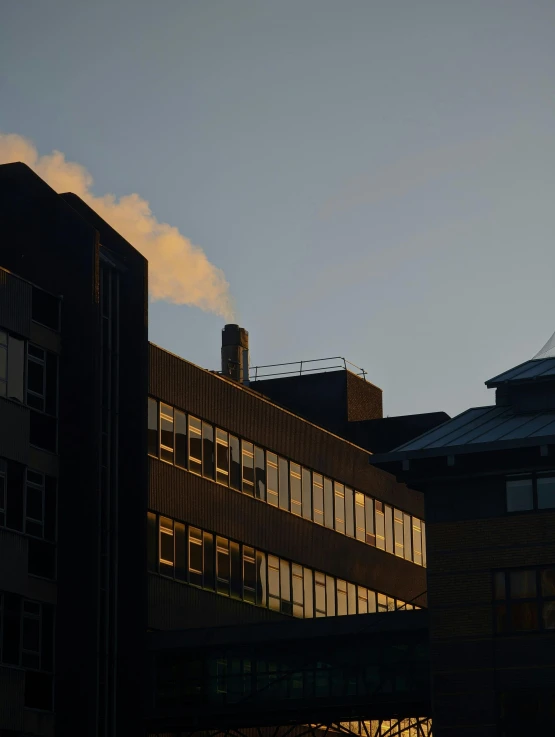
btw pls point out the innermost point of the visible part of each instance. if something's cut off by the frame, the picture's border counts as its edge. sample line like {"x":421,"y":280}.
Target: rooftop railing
{"x":299,"y":368}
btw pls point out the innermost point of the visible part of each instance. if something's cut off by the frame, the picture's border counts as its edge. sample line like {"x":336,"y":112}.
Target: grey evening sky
{"x":375,"y":178}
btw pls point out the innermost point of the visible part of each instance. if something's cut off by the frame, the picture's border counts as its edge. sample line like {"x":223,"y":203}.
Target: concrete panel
{"x":14,"y":431}
{"x":15,"y":304}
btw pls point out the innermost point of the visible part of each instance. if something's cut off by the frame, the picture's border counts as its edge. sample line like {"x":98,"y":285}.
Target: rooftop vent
{"x":235,"y":353}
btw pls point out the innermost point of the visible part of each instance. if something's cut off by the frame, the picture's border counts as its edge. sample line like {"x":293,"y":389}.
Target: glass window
{"x":3,"y":363}
{"x":320,"y":594}
{"x":273,"y":583}
{"x":389,"y":546}
{"x":362,"y":600}
{"x":283,"y":483}
{"x":261,"y":581}
{"x":272,"y":479}
{"x":499,"y":589}
{"x":223,"y":565}
{"x":16,"y":373}
{"x":45,"y":309}
{"x":330,"y":596}
{"x":307,"y":493}
{"x":207,"y":450}
{"x":520,"y":495}
{"x":341,"y":597}
{"x":328,"y":503}
{"x":524,"y":615}
{"x":34,"y":504}
{"x":546,"y":492}
{"x":548,"y":615}
{"x":285,"y":587}
{"x":195,"y":445}
{"x":295,"y":486}
{"x":308,"y":593}
{"x":209,"y":565}
{"x":249,"y":574}
{"x":36,"y":377}
{"x":407,"y":533}
{"x":235,"y":462}
{"x":30,"y":636}
{"x":166,"y":546}
{"x":152,"y":542}
{"x":359,"y":517}
{"x":522,"y":584}
{"x":380,"y":525}
{"x":259,"y":474}
{"x":339,"y":490}
{"x":416,"y":541}
{"x":222,"y":457}
{"x":195,"y":556}
{"x":372,"y":607}
{"x":399,"y":533}
{"x":351,"y":598}
{"x":298,"y":590}
{"x":382,"y":603}
{"x":424,"y":559}
{"x":248,"y":467}
{"x":153,"y":427}
{"x":349,"y":512}
{"x":369,"y":518}
{"x":180,"y":551}
{"x":166,"y":432}
{"x":548,"y":582}
{"x":180,"y":426}
{"x":318,"y":498}
{"x":236,"y":571}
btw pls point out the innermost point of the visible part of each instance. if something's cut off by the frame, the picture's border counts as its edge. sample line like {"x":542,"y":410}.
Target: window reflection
{"x":295,"y":488}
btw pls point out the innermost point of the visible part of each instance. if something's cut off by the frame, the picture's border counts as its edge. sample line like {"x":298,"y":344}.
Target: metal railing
{"x":254,"y":371}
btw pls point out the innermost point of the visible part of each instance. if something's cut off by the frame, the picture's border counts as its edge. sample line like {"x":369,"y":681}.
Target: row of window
{"x":200,"y":558}
{"x":28,"y":505}
{"x":199,"y":447}
{"x":29,"y":374}
{"x":531,"y":492}
{"x":524,"y":600}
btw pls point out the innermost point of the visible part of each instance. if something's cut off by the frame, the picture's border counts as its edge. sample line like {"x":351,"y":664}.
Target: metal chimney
{"x":235,"y":353}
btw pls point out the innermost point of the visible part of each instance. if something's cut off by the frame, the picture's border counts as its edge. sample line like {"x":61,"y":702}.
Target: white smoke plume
{"x":179,"y":271}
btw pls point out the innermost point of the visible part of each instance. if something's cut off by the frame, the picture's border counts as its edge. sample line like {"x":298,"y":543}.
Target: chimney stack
{"x":235,"y":353}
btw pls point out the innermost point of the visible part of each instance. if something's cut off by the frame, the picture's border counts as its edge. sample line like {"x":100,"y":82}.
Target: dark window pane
{"x":223,"y":565}
{"x":519,"y":495}
{"x":285,"y":587}
{"x":261,"y":579}
{"x":328,"y":503}
{"x":249,"y":574}
{"x":295,"y":486}
{"x":180,"y":424}
{"x":50,"y":508}
{"x":35,"y":377}
{"x":548,"y":582}
{"x":12,"y":629}
{"x":307,"y":493}
{"x":33,"y":507}
{"x":42,"y":558}
{"x":499,"y":591}
{"x":15,"y":496}
{"x":283,"y":466}
{"x":523,"y":584}
{"x":259,"y":474}
{"x":31,"y":634}
{"x":248,"y":467}
{"x":524,"y":615}
{"x":180,"y":552}
{"x":222,"y":457}
{"x":548,"y":615}
{"x":47,"y":637}
{"x":272,"y":479}
{"x":152,"y":542}
{"x":166,"y":432}
{"x":38,"y":691}
{"x":43,"y":431}
{"x":51,"y":406}
{"x":153,"y":427}
{"x":546,"y":492}
{"x":16,"y":366}
{"x":236,"y":571}
{"x":349,"y":512}
{"x":209,"y":572}
{"x":207,"y":450}
{"x":45,"y":308}
{"x":235,"y":463}
{"x":195,"y":445}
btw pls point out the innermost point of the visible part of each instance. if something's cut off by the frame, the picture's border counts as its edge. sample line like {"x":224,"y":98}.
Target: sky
{"x":375,"y":179}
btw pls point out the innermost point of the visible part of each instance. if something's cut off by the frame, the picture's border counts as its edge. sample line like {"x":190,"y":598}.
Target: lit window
{"x":180,"y":426}
{"x":328,"y":503}
{"x":259,"y":474}
{"x":341,"y":597}
{"x":222,"y":457}
{"x":362,"y":600}
{"x":339,"y":507}
{"x":285,"y":586}
{"x":382,"y":603}
{"x":351,"y":598}
{"x":399,"y":533}
{"x":320,"y":594}
{"x":166,"y":545}
{"x":207,"y":450}
{"x":307,"y":493}
{"x":235,"y":463}
{"x":283,"y":465}
{"x":308,"y":593}
{"x":295,"y":486}
{"x":524,"y":600}
{"x":349,"y":512}
{"x":249,"y":574}
{"x":318,"y":498}
{"x":359,"y":517}
{"x":330,"y":596}
{"x":272,"y":479}
{"x":273,"y":583}
{"x":416,"y":541}
{"x":195,"y":445}
{"x":298,"y":590}
{"x":248,"y":467}
{"x":407,"y":535}
{"x":195,"y":556}
{"x":369,"y":518}
{"x":166,"y":432}
{"x":380,"y":525}
{"x":223,"y":567}
{"x":371,"y":602}
{"x":389,"y":546}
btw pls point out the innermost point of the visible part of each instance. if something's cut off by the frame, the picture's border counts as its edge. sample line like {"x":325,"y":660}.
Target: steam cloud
{"x":179,"y":271}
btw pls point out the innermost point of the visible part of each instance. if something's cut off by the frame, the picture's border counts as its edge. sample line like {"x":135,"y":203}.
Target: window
{"x":349,"y":512}
{"x":295,"y":487}
{"x":307,"y":493}
{"x":318,"y":498}
{"x":285,"y":586}
{"x":30,"y":635}
{"x":351,"y":598}
{"x":3,"y":363}
{"x":320,"y":594}
{"x":297,"y":590}
{"x":416,"y":541}
{"x":380,"y":525}
{"x":341,"y":598}
{"x":42,"y":379}
{"x":236,"y":570}
{"x":248,"y":467}
{"x":272,"y":479}
{"x":12,"y":361}
{"x":3,"y":479}
{"x":339,"y":490}
{"x":359,"y":517}
{"x":362,"y":600}
{"x":152,"y":542}
{"x":308,"y":593}
{"x":399,"y":533}
{"x":166,"y":546}
{"x":249,"y":574}
{"x":259,"y":474}
{"x":34,"y":504}
{"x":208,"y":561}
{"x":389,"y":546}
{"x":223,"y":565}
{"x":283,"y":466}
{"x":195,"y":445}
{"x":423,"y":527}
{"x":45,"y":309}
{"x":273,"y":583}
{"x":261,"y":581}
{"x":222,"y":457}
{"x":234,"y":463}
{"x":207,"y":450}
{"x":195,"y":556}
{"x":407,"y":535}
{"x":369,"y":519}
{"x":330,"y":596}
{"x":382,"y":603}
{"x":328,"y":504}
{"x":152,"y":427}
{"x":166,"y":432}
{"x":180,"y":551}
{"x":524,"y":600}
{"x":537,"y":492}
{"x":180,"y":425}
